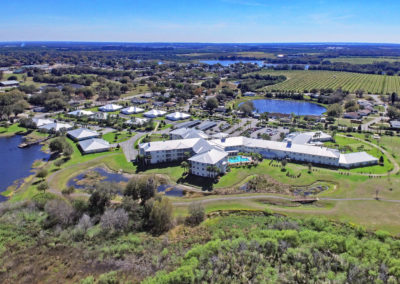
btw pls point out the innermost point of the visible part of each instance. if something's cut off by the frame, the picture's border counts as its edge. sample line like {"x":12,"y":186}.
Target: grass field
{"x":117,"y":137}
{"x":363,"y":60}
{"x":299,"y":80}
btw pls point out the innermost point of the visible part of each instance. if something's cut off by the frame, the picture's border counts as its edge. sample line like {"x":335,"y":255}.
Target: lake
{"x":230,"y":62}
{"x":16,"y":163}
{"x":287,"y":107}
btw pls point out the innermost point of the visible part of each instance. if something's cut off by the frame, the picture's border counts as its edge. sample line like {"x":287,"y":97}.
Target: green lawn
{"x":117,"y":137}
{"x":11,"y":130}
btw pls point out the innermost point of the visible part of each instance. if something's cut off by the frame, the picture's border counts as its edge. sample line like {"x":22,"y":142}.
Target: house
{"x":137,"y":101}
{"x":110,"y":108}
{"x":351,"y":115}
{"x":94,"y":145}
{"x":80,"y":112}
{"x":56,"y":126}
{"x":154,"y":113}
{"x":249,"y":94}
{"x":177,"y":116}
{"x":395,"y":124}
{"x":132,"y":110}
{"x":210,"y":163}
{"x":137,"y":121}
{"x":170,"y":104}
{"x":10,"y":83}
{"x":82,"y":134}
{"x":364,"y":112}
{"x":100,"y":115}
{"x":41,"y":121}
{"x":158,"y":104}
{"x":186,"y":133}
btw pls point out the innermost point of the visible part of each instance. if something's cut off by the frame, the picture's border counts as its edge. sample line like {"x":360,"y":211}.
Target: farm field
{"x":299,"y":80}
{"x":363,"y":60}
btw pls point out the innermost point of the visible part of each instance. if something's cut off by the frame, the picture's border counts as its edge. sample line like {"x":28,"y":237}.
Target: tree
{"x":196,"y":214}
{"x":212,"y":103}
{"x":247,"y":108}
{"x":98,"y":201}
{"x":42,"y":174}
{"x":393,"y":97}
{"x":161,"y":218}
{"x":359,"y":93}
{"x":60,"y":212}
{"x":284,"y":163}
{"x":381,"y":161}
{"x":309,"y":168}
{"x":185,"y":166}
{"x":334,"y":110}
{"x":43,"y":186}
{"x":148,"y":191}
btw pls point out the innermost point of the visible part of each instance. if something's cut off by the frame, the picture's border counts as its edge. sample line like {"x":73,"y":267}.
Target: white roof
{"x":131,"y":110}
{"x":82,"y":133}
{"x":220,"y":135}
{"x":356,"y":158}
{"x":198,"y":145}
{"x":80,"y":112}
{"x":56,"y":126}
{"x":94,"y":144}
{"x":177,"y":116}
{"x":186,"y":133}
{"x":212,"y":157}
{"x":42,"y":121}
{"x":110,"y":107}
{"x":154,"y":113}
{"x":137,"y":120}
{"x":307,"y":137}
{"x":10,"y":82}
{"x":274,"y":145}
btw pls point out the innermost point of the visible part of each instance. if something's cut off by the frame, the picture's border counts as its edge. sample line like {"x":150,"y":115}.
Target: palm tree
{"x":185,"y":166}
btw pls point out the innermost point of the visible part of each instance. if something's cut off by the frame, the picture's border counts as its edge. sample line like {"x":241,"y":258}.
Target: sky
{"x":231,"y":21}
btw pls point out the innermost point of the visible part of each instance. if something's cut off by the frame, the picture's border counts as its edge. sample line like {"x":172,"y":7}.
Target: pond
{"x":108,"y":176}
{"x":287,"y":107}
{"x":230,"y":62}
{"x":17,"y":162}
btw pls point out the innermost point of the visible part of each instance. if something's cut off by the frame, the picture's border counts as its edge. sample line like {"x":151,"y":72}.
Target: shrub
{"x":161,"y":216}
{"x":114,"y":220}
{"x":59,"y":211}
{"x":196,"y":214}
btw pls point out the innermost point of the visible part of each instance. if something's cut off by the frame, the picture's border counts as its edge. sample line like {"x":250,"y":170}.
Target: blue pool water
{"x":238,"y":159}
{"x":287,"y":107}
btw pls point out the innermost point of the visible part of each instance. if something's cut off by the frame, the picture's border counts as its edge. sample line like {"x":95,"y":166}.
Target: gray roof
{"x":206,"y":125}
{"x":356,"y":158}
{"x":187,"y":124}
{"x":186,"y":133}
{"x":82,"y":133}
{"x":94,"y":144}
{"x":395,"y":123}
{"x":9,"y":83}
{"x":56,"y":126}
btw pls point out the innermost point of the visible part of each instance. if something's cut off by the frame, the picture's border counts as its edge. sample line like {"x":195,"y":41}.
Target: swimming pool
{"x":238,"y":159}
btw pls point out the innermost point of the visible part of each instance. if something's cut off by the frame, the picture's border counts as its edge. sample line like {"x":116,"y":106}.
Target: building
{"x":80,"y":112}
{"x":187,"y":124}
{"x":173,"y":150}
{"x":186,"y":133}
{"x":395,"y":124}
{"x":110,"y":108}
{"x":41,"y":121}
{"x":220,"y":135}
{"x":351,"y":115}
{"x":10,"y":83}
{"x":209,"y":163}
{"x":154,"y":113}
{"x":56,"y":126}
{"x":132,"y":110}
{"x":94,"y":145}
{"x":100,"y":115}
{"x":311,"y":138}
{"x":177,"y":116}
{"x":82,"y":134}
{"x":205,"y":125}
{"x":137,"y":121}
{"x":249,"y":94}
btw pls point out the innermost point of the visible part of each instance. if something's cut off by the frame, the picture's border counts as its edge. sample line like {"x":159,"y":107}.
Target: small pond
{"x":230,"y":62}
{"x":287,"y":107}
{"x":108,"y":176}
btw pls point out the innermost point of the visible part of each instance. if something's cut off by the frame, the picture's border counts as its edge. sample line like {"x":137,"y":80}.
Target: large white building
{"x":177,"y":116}
{"x":311,"y":138}
{"x":110,"y":108}
{"x":132,"y":110}
{"x":174,"y":150}
{"x":186,"y":133}
{"x":154,"y":113}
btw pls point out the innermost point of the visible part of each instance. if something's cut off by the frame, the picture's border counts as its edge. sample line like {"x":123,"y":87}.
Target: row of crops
{"x":298,"y":80}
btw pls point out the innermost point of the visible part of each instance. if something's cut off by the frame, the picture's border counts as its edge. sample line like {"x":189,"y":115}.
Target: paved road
{"x":365,"y":126}
{"x":128,"y":146}
{"x":230,"y":198}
